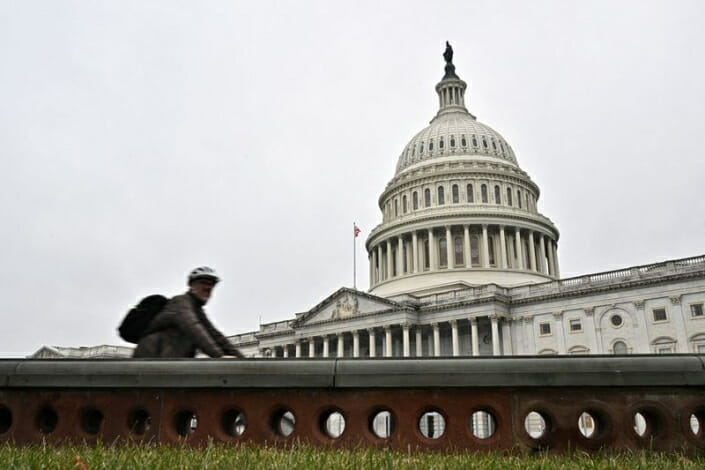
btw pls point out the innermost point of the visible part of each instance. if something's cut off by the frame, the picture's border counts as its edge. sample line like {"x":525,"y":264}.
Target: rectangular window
{"x":701,"y":348}
{"x":664,"y":349}
{"x":696,"y":310}
{"x":576,"y":325}
{"x":544,"y":329}
{"x":659,"y":314}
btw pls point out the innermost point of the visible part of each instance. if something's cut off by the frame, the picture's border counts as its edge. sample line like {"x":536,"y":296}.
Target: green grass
{"x":303,"y":457}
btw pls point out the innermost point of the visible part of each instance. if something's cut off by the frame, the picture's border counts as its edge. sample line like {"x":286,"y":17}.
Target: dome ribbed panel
{"x":454,"y":125}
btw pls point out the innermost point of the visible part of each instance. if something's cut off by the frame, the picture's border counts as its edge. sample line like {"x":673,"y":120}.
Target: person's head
{"x":201,"y":282}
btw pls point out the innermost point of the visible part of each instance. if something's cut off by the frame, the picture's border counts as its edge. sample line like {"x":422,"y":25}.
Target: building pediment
{"x":344,"y":304}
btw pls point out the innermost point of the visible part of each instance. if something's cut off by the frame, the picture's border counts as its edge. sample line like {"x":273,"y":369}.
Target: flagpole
{"x":354,"y":258}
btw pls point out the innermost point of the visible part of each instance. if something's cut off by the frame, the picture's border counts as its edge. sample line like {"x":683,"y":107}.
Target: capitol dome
{"x":459,"y":209}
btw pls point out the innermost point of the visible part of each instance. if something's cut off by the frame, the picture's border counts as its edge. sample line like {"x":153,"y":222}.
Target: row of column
{"x":387,"y":350}
{"x":384,"y":265}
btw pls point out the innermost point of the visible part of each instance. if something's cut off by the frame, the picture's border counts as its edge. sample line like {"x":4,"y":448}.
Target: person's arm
{"x":228,"y":348}
{"x":187,"y":321}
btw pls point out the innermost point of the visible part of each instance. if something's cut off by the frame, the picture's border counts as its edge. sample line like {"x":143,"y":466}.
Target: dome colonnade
{"x":459,"y":208}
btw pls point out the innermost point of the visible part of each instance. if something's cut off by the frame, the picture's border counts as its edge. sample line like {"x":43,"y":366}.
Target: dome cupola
{"x":459,"y":208}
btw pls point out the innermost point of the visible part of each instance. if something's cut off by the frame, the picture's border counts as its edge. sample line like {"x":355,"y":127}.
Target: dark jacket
{"x":180,"y":329}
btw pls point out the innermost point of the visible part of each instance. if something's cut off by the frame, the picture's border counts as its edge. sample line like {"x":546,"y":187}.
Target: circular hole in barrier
{"x":696,"y":422}
{"x":5,"y":419}
{"x":647,"y":423}
{"x":616,"y":320}
{"x":283,"y":422}
{"x":91,"y":420}
{"x":482,"y":424}
{"x":535,"y":424}
{"x":432,"y":424}
{"x":185,"y":423}
{"x":234,"y":423}
{"x":333,"y":424}
{"x":47,"y":419}
{"x":382,"y":424}
{"x":587,"y":425}
{"x":139,"y":422}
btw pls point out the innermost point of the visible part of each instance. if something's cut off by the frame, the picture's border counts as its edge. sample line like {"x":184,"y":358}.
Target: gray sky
{"x":141,"y":139}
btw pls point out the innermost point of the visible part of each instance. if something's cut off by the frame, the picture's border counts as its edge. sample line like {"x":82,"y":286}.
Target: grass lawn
{"x":303,"y":457}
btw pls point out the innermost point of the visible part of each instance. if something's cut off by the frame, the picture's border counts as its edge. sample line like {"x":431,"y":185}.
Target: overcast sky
{"x":140,"y":139}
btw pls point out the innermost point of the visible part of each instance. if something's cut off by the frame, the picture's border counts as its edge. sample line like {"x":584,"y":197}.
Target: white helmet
{"x":204,"y":272}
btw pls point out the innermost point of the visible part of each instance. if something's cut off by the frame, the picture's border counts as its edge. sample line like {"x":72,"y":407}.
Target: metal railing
{"x":556,"y":403}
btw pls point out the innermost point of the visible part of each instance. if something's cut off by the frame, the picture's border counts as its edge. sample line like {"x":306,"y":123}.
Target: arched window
{"x":403,"y":204}
{"x":484,"y":142}
{"x":427,"y":197}
{"x":458,"y":251}
{"x":443,"y":252}
{"x":490,"y":250}
{"x":474,"y":251}
{"x":501,"y":146}
{"x":413,"y":151}
{"x":483,"y":190}
{"x":471,"y":195}
{"x":519,"y":198}
{"x":440,"y":143}
{"x":620,"y":348}
{"x":463,"y":142}
{"x":452,"y":141}
{"x":494,"y":145}
{"x":415,"y":200}
{"x":426,"y":255}
{"x":509,"y":196}
{"x":497,"y":195}
{"x":430,"y":145}
{"x":474,"y":141}
{"x":456,"y":195}
{"x":441,"y":196}
{"x":421,"y":149}
{"x":405,"y":255}
{"x":396,"y":208}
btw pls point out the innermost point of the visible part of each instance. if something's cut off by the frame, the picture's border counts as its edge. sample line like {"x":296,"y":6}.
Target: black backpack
{"x":139,"y":317}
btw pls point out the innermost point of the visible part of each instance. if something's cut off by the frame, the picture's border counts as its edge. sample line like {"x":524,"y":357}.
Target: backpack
{"x":137,"y":320}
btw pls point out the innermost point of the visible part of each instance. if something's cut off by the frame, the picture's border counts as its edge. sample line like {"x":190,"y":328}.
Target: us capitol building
{"x":464,"y":264}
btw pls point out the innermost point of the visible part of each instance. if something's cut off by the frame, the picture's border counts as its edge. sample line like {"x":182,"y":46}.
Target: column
{"x":388,"y":341}
{"x":390,"y":259}
{"x":485,"y":250}
{"x":432,"y":251}
{"x":542,"y":254}
{"x":341,"y":345}
{"x":405,"y":339}
{"x":415,"y":250}
{"x":311,"y":348}
{"x":380,"y":271}
{"x":551,"y":265}
{"x":475,"y":337}
{"x":436,"y":340}
{"x":507,"y":349}
{"x":298,"y":348}
{"x":400,"y":256}
{"x":466,"y":246}
{"x":503,"y":247}
{"x":556,"y":271}
{"x":286,"y":350}
{"x":449,"y":247}
{"x":454,"y":337}
{"x":419,"y":341}
{"x":532,"y":251}
{"x":372,"y":268}
{"x":517,"y":245}
{"x":326,"y":346}
{"x":356,"y":343}
{"x":372,"y":345}
{"x":495,"y":335}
